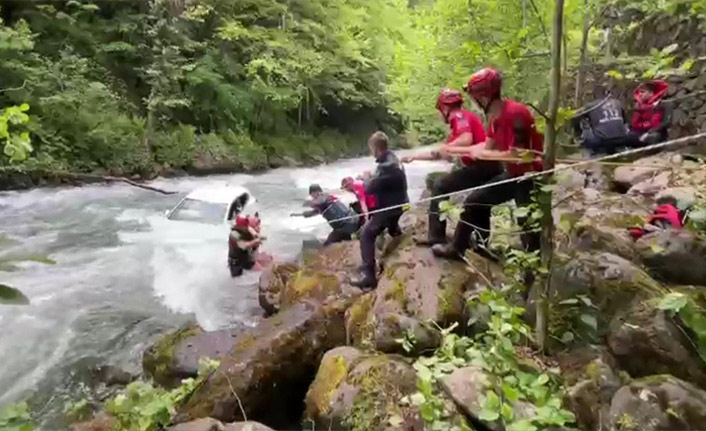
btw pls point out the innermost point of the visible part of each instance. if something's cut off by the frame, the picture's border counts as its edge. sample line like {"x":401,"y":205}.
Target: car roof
{"x":219,"y":194}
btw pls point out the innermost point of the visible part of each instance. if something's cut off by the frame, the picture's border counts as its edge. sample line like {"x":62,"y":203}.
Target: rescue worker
{"x":652,"y":117}
{"x":388,"y":185}
{"x":341,"y":218}
{"x":365,"y":201}
{"x":465,"y":131}
{"x":243,"y":243}
{"x":601,"y":126}
{"x":511,"y":132}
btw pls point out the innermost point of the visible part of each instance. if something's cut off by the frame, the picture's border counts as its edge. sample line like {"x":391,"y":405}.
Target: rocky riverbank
{"x":332,"y":358}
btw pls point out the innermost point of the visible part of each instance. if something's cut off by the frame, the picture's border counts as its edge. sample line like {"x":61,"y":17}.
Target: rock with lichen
{"x":658,"y":403}
{"x":273,"y":361}
{"x":272,"y":282}
{"x":355,"y":391}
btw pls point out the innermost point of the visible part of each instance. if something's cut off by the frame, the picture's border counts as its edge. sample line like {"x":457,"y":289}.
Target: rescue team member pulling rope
{"x":510,"y":128}
{"x":339,"y":216}
{"x":466,"y":130}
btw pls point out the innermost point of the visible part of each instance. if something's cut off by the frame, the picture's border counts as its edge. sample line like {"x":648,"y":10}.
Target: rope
{"x":533,"y":175}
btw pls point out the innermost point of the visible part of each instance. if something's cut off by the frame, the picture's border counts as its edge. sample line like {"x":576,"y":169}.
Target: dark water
{"x":125,"y":275}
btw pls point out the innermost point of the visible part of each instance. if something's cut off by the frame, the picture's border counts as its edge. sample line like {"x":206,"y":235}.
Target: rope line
{"x":533,"y":175}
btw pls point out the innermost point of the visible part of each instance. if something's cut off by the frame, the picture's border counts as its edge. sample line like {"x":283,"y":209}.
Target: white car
{"x":213,"y":205}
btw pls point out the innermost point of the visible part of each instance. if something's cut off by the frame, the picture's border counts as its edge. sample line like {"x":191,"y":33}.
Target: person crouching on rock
{"x":340,"y":217}
{"x":651,"y":117}
{"x":388,"y":185}
{"x":465,"y":131}
{"x":243,"y":243}
{"x":511,"y":133}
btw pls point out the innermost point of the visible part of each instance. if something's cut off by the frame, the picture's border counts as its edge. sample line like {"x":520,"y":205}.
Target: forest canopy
{"x":141,"y":87}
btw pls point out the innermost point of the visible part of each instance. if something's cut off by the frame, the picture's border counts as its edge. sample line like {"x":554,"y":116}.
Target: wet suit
{"x":240,"y":258}
{"x":470,"y":174}
{"x":513,"y":128}
{"x":332,"y":209}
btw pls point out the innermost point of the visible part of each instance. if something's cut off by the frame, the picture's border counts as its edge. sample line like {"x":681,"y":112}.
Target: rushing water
{"x":124,"y":274}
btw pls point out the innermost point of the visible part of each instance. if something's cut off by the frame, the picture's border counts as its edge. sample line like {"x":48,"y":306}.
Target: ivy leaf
{"x":491,"y":407}
{"x":590,"y":321}
{"x":510,"y":392}
{"x":507,"y":412}
{"x":521,"y":425}
{"x":673,"y":301}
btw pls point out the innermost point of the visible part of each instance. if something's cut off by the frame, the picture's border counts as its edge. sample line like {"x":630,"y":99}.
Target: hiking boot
{"x":366,"y":281}
{"x":446,"y":251}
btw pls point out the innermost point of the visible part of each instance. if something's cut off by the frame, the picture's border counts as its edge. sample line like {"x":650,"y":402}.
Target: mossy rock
{"x":353,"y":391}
{"x":359,"y":324}
{"x":272,"y":283}
{"x":158,"y":360}
{"x":310,"y":284}
{"x":270,"y":365}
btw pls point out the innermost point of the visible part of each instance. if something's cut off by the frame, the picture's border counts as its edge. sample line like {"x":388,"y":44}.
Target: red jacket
{"x":648,"y":115}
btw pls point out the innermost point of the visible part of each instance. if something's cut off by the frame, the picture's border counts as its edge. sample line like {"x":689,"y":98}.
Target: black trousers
{"x":377,"y":224}
{"x":467,"y":177}
{"x":477,"y":207}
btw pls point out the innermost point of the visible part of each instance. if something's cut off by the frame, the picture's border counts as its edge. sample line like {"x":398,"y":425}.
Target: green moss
{"x":244,"y":342}
{"x":626,"y":423}
{"x":332,"y":372}
{"x":397,"y":293}
{"x":451,"y":303}
{"x":656,"y":379}
{"x":359,"y":326}
{"x":309,"y":284}
{"x":158,"y":359}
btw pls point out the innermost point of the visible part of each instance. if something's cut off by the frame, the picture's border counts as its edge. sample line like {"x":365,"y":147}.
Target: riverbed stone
{"x":590,"y":397}
{"x":645,"y":341}
{"x":272,"y":282}
{"x":270,"y":365}
{"x":658,"y":403}
{"x":162,"y":364}
{"x":674,"y":256}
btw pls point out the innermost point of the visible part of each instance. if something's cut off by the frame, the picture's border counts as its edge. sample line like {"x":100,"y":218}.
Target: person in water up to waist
{"x":243,"y":243}
{"x":388,"y":185}
{"x":341,"y":218}
{"x":511,"y":133}
{"x":465,"y":131}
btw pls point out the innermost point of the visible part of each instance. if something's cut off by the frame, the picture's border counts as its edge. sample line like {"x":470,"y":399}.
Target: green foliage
{"x":16,"y":145}
{"x":16,"y":417}
{"x":690,"y":313}
{"x":142,"y":406}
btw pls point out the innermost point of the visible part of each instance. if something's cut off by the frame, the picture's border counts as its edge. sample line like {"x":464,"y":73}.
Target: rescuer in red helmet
{"x":465,"y":131}
{"x":243,"y":243}
{"x":511,"y":133}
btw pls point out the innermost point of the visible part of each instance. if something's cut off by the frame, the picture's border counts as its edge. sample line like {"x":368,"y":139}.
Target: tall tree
{"x":547,"y":247}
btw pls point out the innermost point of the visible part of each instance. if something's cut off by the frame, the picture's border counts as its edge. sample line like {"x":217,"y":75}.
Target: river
{"x":124,"y":274}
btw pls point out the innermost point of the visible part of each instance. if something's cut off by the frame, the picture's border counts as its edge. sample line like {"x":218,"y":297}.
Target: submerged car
{"x":213,"y":205}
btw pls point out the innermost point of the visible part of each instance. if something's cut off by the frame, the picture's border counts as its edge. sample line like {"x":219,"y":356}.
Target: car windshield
{"x":199,"y":211}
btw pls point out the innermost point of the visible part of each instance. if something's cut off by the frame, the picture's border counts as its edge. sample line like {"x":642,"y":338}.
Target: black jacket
{"x":332,"y":209}
{"x":389,"y":183}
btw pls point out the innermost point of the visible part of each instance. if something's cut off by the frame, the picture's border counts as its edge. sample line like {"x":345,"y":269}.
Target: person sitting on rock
{"x":388,"y":185}
{"x":340,"y":217}
{"x":601,"y":126}
{"x":465,"y":131}
{"x":364,"y":203}
{"x":652,"y":116}
{"x":511,"y":134}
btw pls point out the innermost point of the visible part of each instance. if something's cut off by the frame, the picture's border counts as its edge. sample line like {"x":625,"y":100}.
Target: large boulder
{"x":272,"y":282}
{"x":466,"y":385}
{"x":675,"y":256}
{"x":658,"y":403}
{"x":646,"y":341}
{"x":416,"y":288}
{"x":354,"y":391}
{"x":644,"y":169}
{"x":270,"y":365}
{"x":611,"y":282}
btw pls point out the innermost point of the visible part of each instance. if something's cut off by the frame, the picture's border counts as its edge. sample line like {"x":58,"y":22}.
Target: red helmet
{"x":242,"y":222}
{"x":484,"y":83}
{"x":449,"y":97}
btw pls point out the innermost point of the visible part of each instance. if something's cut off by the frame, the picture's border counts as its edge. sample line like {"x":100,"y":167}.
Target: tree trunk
{"x":549,"y":158}
{"x":580,"y":76}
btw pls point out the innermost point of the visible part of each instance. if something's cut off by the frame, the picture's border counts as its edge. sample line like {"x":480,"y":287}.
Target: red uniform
{"x":516,"y":117}
{"x":462,"y":121}
{"x":359,"y":191}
